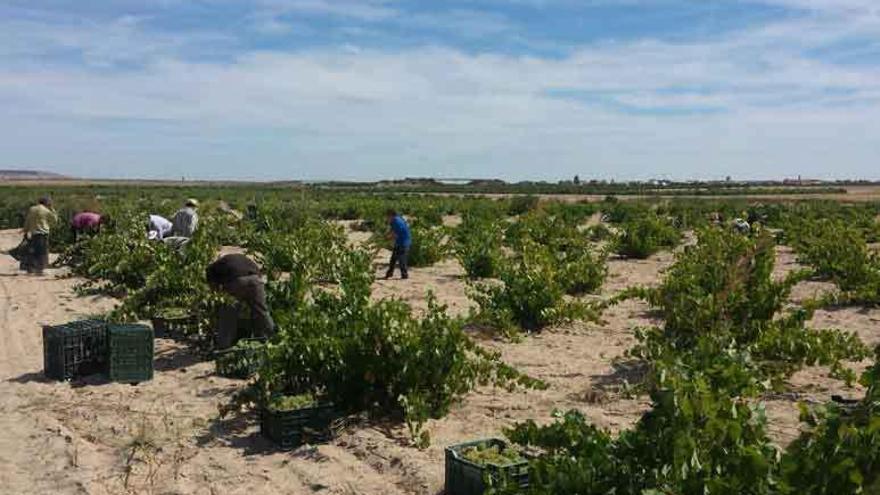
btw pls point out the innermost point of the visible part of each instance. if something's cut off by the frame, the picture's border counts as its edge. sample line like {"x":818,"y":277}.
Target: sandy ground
{"x":163,"y":436}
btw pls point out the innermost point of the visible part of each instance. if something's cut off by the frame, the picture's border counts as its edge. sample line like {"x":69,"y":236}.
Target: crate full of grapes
{"x":474,"y":467}
{"x":294,"y":420}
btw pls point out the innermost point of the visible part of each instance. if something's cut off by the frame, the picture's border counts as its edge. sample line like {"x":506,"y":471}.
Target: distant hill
{"x":19,"y":174}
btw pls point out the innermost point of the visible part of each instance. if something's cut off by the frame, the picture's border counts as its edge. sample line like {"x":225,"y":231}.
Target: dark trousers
{"x":37,"y":257}
{"x":399,"y":256}
{"x":251,"y":291}
{"x":83,"y":232}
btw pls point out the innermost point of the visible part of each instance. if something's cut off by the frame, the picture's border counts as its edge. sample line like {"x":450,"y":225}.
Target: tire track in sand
{"x":13,"y":350}
{"x":38,"y":452}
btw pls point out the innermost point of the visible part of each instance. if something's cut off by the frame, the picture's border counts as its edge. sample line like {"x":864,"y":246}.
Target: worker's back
{"x":184,"y":222}
{"x":39,"y":219}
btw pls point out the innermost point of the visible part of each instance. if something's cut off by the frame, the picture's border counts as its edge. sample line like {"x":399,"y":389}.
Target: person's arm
{"x":392,"y":231}
{"x":29,"y":221}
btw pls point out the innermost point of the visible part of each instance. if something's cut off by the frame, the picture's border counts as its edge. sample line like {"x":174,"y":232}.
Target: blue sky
{"x":367,"y":89}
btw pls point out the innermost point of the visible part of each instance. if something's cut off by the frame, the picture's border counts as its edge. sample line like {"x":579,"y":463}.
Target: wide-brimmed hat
{"x":192,"y":202}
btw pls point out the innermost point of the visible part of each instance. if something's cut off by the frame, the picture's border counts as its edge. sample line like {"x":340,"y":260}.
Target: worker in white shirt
{"x":158,"y":227}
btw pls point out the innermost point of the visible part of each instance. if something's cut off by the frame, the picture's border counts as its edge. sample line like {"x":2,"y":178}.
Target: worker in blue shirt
{"x":402,"y":242}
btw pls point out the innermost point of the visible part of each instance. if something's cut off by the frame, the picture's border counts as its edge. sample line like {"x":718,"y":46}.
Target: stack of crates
{"x":81,"y":348}
{"x":131,"y":353}
{"x":75,"y":349}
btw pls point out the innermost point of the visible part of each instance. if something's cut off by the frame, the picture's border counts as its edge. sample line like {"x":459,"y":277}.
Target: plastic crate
{"x":75,"y":349}
{"x":240,"y":362}
{"x":290,"y":429}
{"x":131,"y":353}
{"x":464,"y":477}
{"x":176,"y":328}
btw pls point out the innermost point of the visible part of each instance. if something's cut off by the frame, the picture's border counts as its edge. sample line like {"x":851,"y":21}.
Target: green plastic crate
{"x":75,"y":349}
{"x":464,"y":477}
{"x":178,"y":328}
{"x":290,"y":429}
{"x":131,"y":353}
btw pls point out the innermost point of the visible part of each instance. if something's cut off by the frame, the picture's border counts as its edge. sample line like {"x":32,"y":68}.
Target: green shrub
{"x":430,"y":216}
{"x":478,"y":258}
{"x":600,"y":232}
{"x":118,"y":260}
{"x":477,"y":245}
{"x":838,"y":252}
{"x":539,"y":227}
{"x":314,"y":248}
{"x":619,"y":212}
{"x":522,"y":204}
{"x":699,"y":438}
{"x":571,"y":213}
{"x":644,"y":236}
{"x":840,"y":453}
{"x":693,"y":441}
{"x":178,"y":278}
{"x":583,"y":271}
{"x":364,"y":355}
{"x":429,"y":244}
{"x":720,"y":297}
{"x":530,"y":294}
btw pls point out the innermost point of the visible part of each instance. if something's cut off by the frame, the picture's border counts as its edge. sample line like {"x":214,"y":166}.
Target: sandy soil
{"x":94,"y":437}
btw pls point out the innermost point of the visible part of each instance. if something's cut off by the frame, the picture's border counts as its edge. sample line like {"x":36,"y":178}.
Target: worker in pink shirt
{"x":86,"y":222}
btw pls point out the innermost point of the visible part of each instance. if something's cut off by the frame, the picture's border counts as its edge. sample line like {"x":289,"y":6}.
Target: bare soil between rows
{"x":164,"y":436}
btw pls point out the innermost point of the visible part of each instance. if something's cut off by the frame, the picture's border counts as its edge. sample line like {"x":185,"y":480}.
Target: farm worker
{"x":238,"y":276}
{"x":402,"y":242}
{"x":86,"y":222}
{"x":741,"y":226}
{"x":757,"y":218}
{"x":158,"y":227}
{"x":37,"y":224}
{"x":186,"y":220}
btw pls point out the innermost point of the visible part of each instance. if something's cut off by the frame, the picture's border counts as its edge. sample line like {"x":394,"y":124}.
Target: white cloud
{"x":355,"y":112}
{"x":464,"y":23}
{"x":843,"y":6}
{"x":367,"y":10}
{"x":271,"y":24}
{"x":100,"y":44}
